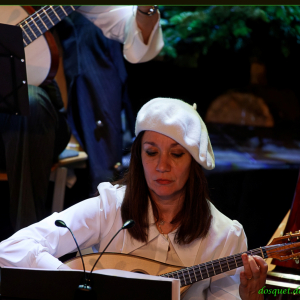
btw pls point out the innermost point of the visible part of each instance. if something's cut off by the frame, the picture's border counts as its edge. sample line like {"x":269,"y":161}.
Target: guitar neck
{"x":200,"y":272}
{"x":42,"y":20}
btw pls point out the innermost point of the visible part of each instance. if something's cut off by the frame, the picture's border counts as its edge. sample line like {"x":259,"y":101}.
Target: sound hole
{"x":140,"y":271}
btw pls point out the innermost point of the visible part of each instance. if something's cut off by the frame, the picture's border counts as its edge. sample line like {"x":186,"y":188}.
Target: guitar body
{"x":41,"y":56}
{"x":125,"y":262}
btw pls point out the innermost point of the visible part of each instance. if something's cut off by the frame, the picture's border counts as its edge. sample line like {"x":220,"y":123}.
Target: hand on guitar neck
{"x":253,"y":278}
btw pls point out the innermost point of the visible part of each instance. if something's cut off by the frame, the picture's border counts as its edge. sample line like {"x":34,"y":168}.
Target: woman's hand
{"x":253,"y":278}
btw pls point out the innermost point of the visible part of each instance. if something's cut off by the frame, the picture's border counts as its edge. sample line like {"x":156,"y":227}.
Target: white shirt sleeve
{"x":39,"y":245}
{"x":118,"y":23}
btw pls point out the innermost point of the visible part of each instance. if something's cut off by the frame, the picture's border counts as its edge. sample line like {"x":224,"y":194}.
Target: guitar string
{"x":45,"y":10}
{"x":39,"y":17}
{"x":187,"y":278}
{"x":214,"y":267}
{"x":42,"y":12}
{"x":45,"y":16}
{"x":185,"y":274}
{"x":210,"y":267}
{"x":42,"y":17}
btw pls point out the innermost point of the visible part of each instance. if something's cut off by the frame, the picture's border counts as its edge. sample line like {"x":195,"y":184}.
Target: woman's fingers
{"x":249,"y":266}
{"x":263,"y":266}
{"x":253,"y":277}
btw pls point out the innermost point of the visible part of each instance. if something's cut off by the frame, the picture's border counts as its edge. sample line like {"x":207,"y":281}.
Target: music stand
{"x":41,"y":284}
{"x":13,"y":79}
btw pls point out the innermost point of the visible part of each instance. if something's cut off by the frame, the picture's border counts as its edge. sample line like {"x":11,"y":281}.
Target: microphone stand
{"x":85,"y":291}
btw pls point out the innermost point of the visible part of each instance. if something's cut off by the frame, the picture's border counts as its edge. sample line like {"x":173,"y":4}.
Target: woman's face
{"x":166,"y":165}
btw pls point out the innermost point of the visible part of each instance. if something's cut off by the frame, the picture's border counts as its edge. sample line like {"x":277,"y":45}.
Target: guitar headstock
{"x":285,"y":247}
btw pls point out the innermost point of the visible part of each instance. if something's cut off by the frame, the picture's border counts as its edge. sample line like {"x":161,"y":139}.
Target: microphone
{"x":128,"y":224}
{"x":83,"y":289}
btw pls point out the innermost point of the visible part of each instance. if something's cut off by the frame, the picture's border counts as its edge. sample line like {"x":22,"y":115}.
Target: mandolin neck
{"x":42,"y":20}
{"x":200,"y":272}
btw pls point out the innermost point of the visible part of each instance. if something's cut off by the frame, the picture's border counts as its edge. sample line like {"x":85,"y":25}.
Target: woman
{"x":165,"y":192}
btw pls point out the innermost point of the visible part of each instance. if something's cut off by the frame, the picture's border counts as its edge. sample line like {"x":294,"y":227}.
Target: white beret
{"x":181,"y":122}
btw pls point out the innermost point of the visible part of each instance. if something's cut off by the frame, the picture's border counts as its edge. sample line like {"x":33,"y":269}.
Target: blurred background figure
{"x":96,"y":77}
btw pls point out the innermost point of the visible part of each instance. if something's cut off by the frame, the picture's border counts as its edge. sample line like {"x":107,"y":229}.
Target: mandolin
{"x":282,"y":248}
{"x":41,"y":52}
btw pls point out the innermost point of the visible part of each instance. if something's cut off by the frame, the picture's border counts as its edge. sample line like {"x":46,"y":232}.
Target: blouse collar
{"x":186,"y":253}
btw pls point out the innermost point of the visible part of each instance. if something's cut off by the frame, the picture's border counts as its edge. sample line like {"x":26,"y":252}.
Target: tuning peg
{"x":296,"y":259}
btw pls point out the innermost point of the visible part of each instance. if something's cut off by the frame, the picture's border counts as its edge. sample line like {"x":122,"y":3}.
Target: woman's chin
{"x":165,"y":192}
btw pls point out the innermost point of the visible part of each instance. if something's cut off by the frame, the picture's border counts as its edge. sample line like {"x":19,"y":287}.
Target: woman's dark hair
{"x":194,"y":218}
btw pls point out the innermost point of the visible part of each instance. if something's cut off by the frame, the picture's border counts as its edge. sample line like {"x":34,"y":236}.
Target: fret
{"x":60,"y":12}
{"x":36,"y":25}
{"x":63,"y":10}
{"x":183,"y":277}
{"x":30,"y":29}
{"x":42,"y":20}
{"x":26,"y":33}
{"x":45,"y":19}
{"x":57,"y":16}
{"x":235,"y":261}
{"x":33,"y":26}
{"x":69,"y":9}
{"x":178,"y":277}
{"x":227,"y":263}
{"x":48,"y":16}
{"x":225,"y":267}
{"x":263,"y":252}
{"x":210,"y":269}
{"x":206,"y":270}
{"x":189,"y":276}
{"x":39,"y":23}
{"x":200,"y":272}
{"x":195,"y":275}
{"x":213,"y":268}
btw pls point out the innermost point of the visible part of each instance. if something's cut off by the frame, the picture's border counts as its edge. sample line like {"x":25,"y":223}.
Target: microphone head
{"x":60,"y":223}
{"x":128,"y":224}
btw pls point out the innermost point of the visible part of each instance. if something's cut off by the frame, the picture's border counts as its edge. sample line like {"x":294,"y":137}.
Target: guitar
{"x":41,"y":52}
{"x":281,"y":248}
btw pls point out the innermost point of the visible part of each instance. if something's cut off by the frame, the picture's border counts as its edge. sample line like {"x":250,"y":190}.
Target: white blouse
{"x":94,"y":222}
{"x":118,"y":23}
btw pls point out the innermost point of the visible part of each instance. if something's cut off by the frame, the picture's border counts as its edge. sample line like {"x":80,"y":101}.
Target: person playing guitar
{"x":32,"y":143}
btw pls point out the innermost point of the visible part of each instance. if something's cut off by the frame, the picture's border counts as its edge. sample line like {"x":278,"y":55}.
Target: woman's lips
{"x":163,"y":181}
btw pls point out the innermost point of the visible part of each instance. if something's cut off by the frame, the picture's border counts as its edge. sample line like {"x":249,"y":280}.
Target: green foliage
{"x":193,"y":30}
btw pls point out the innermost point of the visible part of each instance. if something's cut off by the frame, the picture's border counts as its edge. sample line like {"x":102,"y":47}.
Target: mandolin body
{"x":125,"y":262}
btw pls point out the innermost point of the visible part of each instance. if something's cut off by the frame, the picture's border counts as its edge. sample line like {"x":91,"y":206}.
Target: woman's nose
{"x":163,"y":164}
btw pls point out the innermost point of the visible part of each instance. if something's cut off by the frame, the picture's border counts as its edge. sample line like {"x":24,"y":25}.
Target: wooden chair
{"x":59,"y":174}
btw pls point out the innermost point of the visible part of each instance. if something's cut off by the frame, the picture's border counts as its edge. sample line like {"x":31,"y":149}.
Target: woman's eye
{"x":151,"y":153}
{"x":177,"y":154}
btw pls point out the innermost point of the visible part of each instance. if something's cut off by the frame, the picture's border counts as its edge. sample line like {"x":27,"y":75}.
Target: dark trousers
{"x":28,"y":147}
{"x":97,"y":90}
